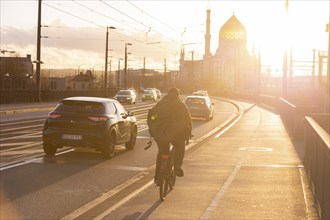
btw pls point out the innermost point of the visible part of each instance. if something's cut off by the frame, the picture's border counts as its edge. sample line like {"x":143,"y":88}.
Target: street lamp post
{"x":38,"y":61}
{"x":327,"y":96}
{"x":94,"y":68}
{"x":118,"y":74}
{"x":106,"y":62}
{"x":78,"y":69}
{"x":125,"y":67}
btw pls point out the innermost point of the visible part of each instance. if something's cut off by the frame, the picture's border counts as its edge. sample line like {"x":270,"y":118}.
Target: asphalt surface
{"x":251,"y":171}
{"x":26,"y":107}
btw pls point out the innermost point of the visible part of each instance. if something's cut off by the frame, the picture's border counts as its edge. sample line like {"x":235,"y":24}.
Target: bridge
{"x":270,"y":159}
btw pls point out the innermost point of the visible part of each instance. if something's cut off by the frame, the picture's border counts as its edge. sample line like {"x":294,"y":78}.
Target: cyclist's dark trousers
{"x":163,"y":148}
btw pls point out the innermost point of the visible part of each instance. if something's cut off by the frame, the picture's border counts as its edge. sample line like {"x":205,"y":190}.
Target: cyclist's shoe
{"x":179,"y":172}
{"x":157,"y":181}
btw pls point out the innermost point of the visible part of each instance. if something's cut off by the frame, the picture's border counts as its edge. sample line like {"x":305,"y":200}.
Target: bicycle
{"x":167,"y":175}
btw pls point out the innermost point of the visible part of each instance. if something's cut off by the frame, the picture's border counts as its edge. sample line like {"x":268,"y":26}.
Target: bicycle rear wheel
{"x":172,"y":179}
{"x":163,"y":188}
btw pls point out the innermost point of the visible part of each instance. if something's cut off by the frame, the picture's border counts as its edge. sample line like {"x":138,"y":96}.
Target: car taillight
{"x":53,"y":115}
{"x":97,"y":118}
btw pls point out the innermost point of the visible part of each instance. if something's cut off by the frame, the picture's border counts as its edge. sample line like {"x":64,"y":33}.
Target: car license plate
{"x":71,"y":137}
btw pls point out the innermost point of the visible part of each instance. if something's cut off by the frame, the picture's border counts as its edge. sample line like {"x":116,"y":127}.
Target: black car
{"x":98,"y":123}
{"x":200,"y":107}
{"x":126,"y":96}
{"x":149,"y":95}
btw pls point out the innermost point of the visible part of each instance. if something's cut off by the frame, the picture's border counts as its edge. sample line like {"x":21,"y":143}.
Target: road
{"x":68,"y":185}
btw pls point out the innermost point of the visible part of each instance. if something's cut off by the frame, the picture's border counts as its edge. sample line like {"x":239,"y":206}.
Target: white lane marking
{"x":26,"y":151}
{"x":35,"y":134}
{"x":130,"y":168}
{"x":214,"y":203}
{"x":20,"y":128}
{"x":121,"y":202}
{"x":227,"y":128}
{"x":15,"y":144}
{"x":27,"y":160}
{"x":20,"y":122}
{"x":143,"y":137}
{"x":102,"y":198}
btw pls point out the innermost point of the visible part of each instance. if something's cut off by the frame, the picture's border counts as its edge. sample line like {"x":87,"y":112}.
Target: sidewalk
{"x":252,"y":171}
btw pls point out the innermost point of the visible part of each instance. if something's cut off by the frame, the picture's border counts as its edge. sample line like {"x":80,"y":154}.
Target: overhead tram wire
{"x":99,"y":13}
{"x":88,"y":21}
{"x":72,"y":14}
{"x":118,"y":21}
{"x":138,"y":21}
{"x":117,"y":33}
{"x":151,"y":16}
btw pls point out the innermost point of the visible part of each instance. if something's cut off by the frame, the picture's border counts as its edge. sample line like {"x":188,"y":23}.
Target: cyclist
{"x":180,"y":125}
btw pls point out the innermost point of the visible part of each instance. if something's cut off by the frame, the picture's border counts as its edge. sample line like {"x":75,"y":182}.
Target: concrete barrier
{"x":316,"y":163}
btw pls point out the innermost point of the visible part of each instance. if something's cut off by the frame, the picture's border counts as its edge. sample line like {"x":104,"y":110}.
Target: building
{"x":16,"y":73}
{"x":57,"y":83}
{"x":230,"y":69}
{"x":82,"y":81}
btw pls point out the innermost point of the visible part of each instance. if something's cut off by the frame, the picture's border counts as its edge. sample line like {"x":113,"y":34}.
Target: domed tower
{"x":232,"y":34}
{"x":232,"y":63}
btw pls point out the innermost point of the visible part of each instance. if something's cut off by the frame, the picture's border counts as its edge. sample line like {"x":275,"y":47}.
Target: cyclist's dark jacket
{"x":180,"y":124}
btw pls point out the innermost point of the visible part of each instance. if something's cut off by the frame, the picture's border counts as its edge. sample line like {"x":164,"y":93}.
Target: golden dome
{"x":232,"y":30}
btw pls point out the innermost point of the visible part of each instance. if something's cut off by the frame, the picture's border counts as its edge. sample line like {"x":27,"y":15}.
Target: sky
{"x":74,"y":31}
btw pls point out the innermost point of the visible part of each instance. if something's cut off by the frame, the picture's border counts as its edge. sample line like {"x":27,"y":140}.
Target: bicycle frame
{"x":167,"y":175}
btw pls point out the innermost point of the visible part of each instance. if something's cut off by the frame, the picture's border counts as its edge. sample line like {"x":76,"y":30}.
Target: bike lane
{"x":251,"y":171}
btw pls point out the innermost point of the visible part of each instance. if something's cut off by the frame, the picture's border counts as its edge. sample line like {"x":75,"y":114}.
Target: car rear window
{"x":195,"y":101}
{"x":81,"y":107}
{"x":124,"y":93}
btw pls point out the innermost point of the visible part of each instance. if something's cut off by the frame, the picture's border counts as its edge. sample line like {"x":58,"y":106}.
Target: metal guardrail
{"x":316,"y":163}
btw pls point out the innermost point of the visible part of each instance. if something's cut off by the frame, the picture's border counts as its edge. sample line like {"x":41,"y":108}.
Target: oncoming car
{"x":98,"y":123}
{"x":203,"y":92}
{"x":126,"y":96}
{"x":200,"y":107}
{"x":199,"y":94}
{"x":149,"y":95}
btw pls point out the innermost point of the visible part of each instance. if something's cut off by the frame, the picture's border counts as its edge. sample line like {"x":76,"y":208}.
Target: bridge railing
{"x":316,"y":163}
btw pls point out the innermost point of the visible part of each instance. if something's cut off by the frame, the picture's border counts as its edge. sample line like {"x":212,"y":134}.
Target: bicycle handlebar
{"x":150,"y":142}
{"x":148,"y":145}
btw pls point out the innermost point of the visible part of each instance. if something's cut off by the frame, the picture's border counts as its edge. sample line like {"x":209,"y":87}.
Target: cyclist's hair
{"x":174,"y":92}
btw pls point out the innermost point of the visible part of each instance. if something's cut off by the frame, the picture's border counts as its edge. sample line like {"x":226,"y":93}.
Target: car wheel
{"x":131,"y":143}
{"x":212,"y":115}
{"x":49,"y":148}
{"x":110,"y":147}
